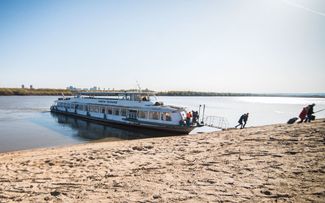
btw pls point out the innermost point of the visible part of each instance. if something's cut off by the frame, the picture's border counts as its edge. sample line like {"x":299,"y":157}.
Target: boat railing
{"x":216,"y":122}
{"x":64,"y":98}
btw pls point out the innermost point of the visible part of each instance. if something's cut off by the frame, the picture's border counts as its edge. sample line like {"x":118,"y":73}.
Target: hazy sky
{"x":217,"y":45}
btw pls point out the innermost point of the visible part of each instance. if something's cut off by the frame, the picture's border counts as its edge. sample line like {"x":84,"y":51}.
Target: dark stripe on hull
{"x":137,"y":124}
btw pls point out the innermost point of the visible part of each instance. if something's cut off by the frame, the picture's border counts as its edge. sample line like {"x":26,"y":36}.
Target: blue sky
{"x":217,"y":45}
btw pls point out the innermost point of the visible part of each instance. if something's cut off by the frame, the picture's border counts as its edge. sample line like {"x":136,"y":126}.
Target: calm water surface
{"x":25,"y":121}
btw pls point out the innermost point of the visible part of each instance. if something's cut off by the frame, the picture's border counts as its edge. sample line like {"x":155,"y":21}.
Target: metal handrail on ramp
{"x":216,"y":122}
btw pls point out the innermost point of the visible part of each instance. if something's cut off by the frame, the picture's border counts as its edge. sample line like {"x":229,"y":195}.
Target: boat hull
{"x":131,"y":123}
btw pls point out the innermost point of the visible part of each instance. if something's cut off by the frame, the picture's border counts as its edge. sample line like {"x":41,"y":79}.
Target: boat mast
{"x":138,"y":85}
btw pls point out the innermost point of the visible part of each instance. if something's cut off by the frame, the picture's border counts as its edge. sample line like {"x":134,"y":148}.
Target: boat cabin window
{"x":137,"y":97}
{"x":168,"y":117}
{"x":123,"y":112}
{"x":165,"y":116}
{"x":145,"y":98}
{"x":154,"y":115}
{"x":143,"y":114}
{"x":80,"y":107}
{"x":126,"y":97}
{"x":94,"y":108}
{"x":116,"y":111}
{"x":109,"y":110}
{"x":103,"y":109}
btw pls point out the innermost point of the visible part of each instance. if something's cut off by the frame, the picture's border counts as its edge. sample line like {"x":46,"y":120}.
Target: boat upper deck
{"x":123,"y":99}
{"x":131,"y":96}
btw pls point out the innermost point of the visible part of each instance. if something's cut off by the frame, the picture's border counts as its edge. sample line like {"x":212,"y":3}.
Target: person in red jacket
{"x":188,"y":118}
{"x":303,"y":114}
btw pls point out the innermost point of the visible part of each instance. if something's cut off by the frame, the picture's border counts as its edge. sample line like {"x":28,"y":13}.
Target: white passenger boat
{"x":125,"y":108}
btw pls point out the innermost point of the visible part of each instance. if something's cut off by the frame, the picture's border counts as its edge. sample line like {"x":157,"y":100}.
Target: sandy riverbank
{"x":269,"y":163}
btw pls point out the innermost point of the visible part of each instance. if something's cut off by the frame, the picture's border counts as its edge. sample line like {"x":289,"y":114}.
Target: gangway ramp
{"x":216,"y":122}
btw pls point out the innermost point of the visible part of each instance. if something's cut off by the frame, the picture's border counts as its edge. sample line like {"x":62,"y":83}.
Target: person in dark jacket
{"x":195,"y":118}
{"x":310,"y":113}
{"x":242,"y":121}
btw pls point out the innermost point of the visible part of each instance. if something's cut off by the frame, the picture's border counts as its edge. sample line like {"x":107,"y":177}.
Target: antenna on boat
{"x":138,"y":85}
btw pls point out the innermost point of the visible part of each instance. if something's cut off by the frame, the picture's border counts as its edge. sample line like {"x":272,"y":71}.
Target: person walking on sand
{"x":310,"y":113}
{"x":303,"y":114}
{"x":242,"y":121}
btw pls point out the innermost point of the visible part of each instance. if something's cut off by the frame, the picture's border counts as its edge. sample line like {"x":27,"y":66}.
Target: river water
{"x":25,"y":121}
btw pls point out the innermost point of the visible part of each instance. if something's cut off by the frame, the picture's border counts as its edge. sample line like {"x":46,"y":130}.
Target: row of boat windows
{"x":118,"y":111}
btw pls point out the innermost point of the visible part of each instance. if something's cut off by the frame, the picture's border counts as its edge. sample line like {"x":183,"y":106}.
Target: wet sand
{"x":261,"y":164}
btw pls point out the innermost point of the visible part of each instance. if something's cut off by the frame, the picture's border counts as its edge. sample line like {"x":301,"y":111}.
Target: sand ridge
{"x":260,"y":164}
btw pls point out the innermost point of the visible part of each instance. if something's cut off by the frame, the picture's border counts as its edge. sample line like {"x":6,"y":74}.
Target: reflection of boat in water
{"x":93,"y":130}
{"x":125,"y":108}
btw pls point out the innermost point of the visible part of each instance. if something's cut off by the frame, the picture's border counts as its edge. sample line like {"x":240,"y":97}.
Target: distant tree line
{"x":228,"y":94}
{"x":193,"y":93}
{"x":25,"y":91}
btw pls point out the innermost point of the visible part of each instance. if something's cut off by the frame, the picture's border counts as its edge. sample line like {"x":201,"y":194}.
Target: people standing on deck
{"x":188,"y":118}
{"x":310,"y":113}
{"x":303,"y":114}
{"x":242,"y":121}
{"x":195,"y":115}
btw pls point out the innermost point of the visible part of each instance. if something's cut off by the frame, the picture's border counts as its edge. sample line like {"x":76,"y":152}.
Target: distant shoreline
{"x":216,"y":94}
{"x":56,"y":92}
{"x":33,"y":92}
